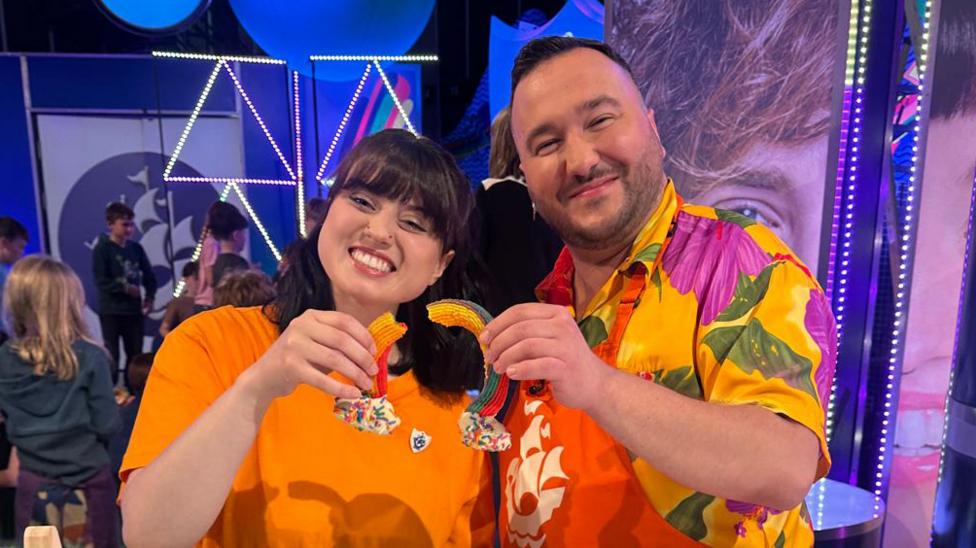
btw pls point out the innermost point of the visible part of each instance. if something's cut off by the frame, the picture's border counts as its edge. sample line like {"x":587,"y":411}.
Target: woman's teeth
{"x":371,"y":261}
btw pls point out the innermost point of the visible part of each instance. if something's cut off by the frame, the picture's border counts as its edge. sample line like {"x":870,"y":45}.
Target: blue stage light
{"x":154,"y":17}
{"x":295,"y":29}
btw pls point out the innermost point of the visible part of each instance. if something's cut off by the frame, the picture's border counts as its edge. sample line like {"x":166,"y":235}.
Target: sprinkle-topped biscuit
{"x":479,"y":427}
{"x":373,"y":412}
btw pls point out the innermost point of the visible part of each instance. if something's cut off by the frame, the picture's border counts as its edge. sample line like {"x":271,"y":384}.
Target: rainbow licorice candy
{"x":479,"y":427}
{"x":373,"y":412}
{"x":386,"y":332}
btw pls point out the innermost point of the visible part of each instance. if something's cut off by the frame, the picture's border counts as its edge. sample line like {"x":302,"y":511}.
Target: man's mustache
{"x":597,"y":172}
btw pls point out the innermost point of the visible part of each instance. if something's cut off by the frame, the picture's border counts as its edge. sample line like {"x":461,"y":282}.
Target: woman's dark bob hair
{"x":397,"y":165}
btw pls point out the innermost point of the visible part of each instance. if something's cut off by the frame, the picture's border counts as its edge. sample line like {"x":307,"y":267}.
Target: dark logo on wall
{"x":168,"y":219}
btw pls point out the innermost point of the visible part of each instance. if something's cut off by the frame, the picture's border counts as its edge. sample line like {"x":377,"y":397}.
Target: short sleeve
{"x":183,"y":382}
{"x":773,"y":346}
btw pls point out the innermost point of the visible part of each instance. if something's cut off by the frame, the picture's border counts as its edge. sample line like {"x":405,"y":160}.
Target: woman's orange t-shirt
{"x":309,"y":479}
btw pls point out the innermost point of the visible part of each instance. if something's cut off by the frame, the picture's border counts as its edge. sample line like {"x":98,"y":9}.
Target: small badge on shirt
{"x":419,"y":440}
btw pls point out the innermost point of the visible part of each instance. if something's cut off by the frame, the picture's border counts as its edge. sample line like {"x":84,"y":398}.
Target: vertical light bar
{"x":393,"y":95}
{"x":342,"y":123}
{"x":300,"y":180}
{"x":257,"y":221}
{"x":196,"y":251}
{"x":846,"y":181}
{"x":906,"y":225}
{"x":254,"y":111}
{"x":955,"y":349}
{"x":193,"y":118}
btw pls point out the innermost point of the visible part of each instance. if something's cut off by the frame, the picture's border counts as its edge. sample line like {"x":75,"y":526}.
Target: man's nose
{"x":581,"y":157}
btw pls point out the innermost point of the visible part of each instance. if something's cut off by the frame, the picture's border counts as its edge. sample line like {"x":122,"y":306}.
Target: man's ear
{"x":657,"y":134}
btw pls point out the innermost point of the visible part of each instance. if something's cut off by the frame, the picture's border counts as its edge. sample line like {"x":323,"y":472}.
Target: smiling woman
{"x":236,"y":422}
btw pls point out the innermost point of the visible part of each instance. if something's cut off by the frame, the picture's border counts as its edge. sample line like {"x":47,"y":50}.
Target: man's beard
{"x":641,"y":188}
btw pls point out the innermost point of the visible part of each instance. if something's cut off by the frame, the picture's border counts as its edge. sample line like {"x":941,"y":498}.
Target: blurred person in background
{"x":244,"y":288}
{"x":181,"y":308}
{"x":56,"y":395}
{"x":121,"y":271}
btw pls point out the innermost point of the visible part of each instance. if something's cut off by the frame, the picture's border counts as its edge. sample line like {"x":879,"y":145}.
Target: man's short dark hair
{"x":117,"y":210}
{"x":542,"y":49}
{"x":190,"y":269}
{"x":224,"y":219}
{"x":11,"y":229}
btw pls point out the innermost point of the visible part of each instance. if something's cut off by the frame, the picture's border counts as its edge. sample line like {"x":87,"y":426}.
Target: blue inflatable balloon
{"x":294,"y":29}
{"x":154,"y":17}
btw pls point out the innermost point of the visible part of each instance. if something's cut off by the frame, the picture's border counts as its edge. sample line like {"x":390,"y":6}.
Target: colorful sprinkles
{"x":372,"y":412}
{"x":484,"y":433}
{"x":368,"y":414}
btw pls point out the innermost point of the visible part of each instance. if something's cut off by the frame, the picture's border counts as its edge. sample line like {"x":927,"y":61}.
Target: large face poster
{"x":943,"y":211}
{"x":89,"y":161}
{"x":743,"y":93}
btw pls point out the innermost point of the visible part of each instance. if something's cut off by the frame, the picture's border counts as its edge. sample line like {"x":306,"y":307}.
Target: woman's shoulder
{"x":231,"y":315}
{"x":245,"y":326}
{"x":215,"y":346}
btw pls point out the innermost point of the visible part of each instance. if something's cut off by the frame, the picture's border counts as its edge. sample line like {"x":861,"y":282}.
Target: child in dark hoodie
{"x":120,"y":267}
{"x":57,"y":400}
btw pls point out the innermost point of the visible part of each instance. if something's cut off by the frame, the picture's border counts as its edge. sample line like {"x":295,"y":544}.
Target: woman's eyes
{"x":408,"y":223}
{"x":361,"y":201}
{"x":415,"y":225}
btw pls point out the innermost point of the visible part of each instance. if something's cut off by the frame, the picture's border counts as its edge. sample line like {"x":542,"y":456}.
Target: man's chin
{"x":592,"y":236}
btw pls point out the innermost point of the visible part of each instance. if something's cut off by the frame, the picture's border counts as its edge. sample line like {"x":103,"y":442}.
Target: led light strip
{"x":193,"y":119}
{"x":845,"y":119}
{"x":257,"y":221}
{"x":196,"y":251}
{"x":240,"y":180}
{"x":393,"y":95}
{"x":206,"y":57}
{"x":254,"y":111}
{"x":904,"y":267}
{"x":395,"y":58}
{"x":343,"y":122}
{"x":298,"y":155}
{"x":955,"y":350}
{"x":844,"y":193}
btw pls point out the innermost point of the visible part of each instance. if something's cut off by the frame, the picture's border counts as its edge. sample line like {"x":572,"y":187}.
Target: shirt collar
{"x":557,"y":287}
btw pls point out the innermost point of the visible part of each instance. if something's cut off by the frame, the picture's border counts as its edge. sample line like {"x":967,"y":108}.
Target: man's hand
{"x":132,"y":290}
{"x":541,"y":341}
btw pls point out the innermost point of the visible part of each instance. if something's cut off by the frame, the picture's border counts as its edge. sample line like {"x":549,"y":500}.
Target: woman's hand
{"x":315,"y":344}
